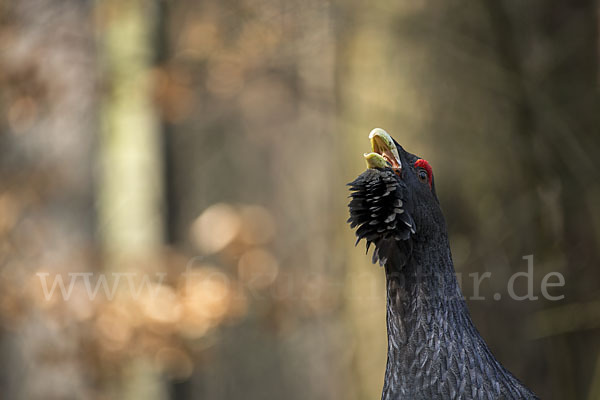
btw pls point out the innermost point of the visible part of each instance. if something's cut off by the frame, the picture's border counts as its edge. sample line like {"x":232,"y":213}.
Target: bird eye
{"x":423,"y":177}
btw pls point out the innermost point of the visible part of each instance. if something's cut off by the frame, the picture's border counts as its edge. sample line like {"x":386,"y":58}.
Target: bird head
{"x":393,"y":203}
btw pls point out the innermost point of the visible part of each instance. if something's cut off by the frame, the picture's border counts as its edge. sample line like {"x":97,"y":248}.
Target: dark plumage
{"x":434,"y":350}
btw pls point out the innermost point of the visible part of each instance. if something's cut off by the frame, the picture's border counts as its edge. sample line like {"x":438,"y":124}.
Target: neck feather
{"x":434,"y":350}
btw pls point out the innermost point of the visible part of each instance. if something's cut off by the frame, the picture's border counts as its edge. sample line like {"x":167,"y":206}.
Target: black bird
{"x":434,"y":350}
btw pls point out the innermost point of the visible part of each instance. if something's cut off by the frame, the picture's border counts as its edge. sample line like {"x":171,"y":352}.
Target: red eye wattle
{"x":420,"y":163}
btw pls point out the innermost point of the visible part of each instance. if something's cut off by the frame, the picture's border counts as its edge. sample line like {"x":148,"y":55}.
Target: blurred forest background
{"x":216,"y":137}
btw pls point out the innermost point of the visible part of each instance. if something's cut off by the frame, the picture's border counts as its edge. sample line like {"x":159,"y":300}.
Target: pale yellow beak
{"x":383,"y":145}
{"x":375,"y":160}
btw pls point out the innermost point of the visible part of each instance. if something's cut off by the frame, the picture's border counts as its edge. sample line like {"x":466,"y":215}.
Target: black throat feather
{"x":434,"y":350}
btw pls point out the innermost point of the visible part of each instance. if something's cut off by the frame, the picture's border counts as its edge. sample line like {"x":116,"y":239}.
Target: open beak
{"x":385,"y":153}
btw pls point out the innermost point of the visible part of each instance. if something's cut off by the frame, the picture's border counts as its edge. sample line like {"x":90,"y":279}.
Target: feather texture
{"x":434,"y":349}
